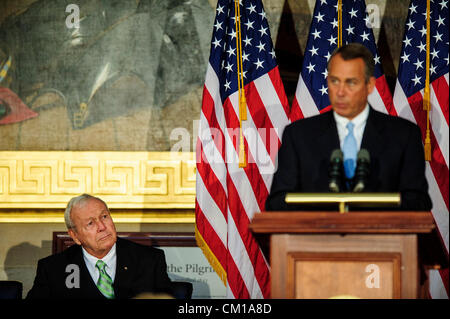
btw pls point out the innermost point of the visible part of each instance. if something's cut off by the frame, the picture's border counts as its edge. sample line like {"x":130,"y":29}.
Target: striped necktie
{"x":350,"y":150}
{"x":104,"y":283}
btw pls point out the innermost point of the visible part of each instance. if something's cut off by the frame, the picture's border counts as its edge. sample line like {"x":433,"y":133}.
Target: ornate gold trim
{"x":119,"y":218}
{"x":130,"y":180}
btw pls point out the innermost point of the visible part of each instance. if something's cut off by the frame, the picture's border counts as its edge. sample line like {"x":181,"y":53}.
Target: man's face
{"x":347,"y":87}
{"x":94,"y":227}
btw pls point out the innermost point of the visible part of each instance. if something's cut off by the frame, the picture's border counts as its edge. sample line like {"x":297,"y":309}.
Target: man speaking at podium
{"x":377,"y":152}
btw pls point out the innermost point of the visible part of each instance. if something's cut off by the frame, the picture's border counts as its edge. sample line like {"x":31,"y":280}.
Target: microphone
{"x":362,"y":170}
{"x":335,"y":170}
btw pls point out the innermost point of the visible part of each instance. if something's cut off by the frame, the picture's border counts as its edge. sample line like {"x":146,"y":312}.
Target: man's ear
{"x":371,"y":84}
{"x":73,"y":235}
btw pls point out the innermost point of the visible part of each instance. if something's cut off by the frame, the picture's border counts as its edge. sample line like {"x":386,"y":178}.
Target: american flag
{"x":228,"y":196}
{"x":408,"y":101}
{"x":311,"y":96}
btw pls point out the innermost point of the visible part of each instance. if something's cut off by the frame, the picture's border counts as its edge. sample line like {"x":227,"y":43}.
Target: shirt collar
{"x":107,"y":259}
{"x":358,"y":120}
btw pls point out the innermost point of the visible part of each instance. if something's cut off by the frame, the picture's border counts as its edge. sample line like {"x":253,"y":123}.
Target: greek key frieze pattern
{"x":122,"y":179}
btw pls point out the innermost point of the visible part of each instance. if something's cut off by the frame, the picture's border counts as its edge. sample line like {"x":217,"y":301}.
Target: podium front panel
{"x":332,"y":266}
{"x":344,"y":275}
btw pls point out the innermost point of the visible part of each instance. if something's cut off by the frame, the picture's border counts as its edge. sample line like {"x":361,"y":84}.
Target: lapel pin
{"x":125,"y":268}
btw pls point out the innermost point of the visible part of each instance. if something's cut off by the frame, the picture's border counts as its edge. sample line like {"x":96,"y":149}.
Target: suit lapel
{"x":373,"y":138}
{"x":88,"y":287}
{"x":327,"y":135}
{"x":123,"y":273}
{"x":326,"y":140}
{"x":376,"y":142}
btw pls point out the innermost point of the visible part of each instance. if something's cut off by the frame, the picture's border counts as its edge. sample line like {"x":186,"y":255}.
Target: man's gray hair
{"x":75,"y":201}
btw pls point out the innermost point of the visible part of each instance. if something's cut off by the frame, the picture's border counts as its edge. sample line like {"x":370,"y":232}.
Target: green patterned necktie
{"x":104,"y":283}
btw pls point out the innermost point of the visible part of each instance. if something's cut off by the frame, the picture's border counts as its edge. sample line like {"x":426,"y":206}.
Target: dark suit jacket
{"x":396,"y":159}
{"x":139,"y":269}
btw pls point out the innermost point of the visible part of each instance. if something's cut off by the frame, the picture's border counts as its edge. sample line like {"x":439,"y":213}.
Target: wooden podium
{"x":370,"y":255}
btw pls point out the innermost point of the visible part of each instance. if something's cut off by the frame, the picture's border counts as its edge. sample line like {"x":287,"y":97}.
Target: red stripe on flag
{"x":254,"y":253}
{"x":437,"y":164}
{"x":256,"y":107}
{"x":296,"y":112}
{"x":208,"y":110}
{"x":255,"y":180}
{"x":234,"y":278}
{"x":232,"y":123}
{"x":445,"y":278}
{"x":259,"y":187}
{"x":325,"y":109}
{"x":235,"y":281}
{"x":210,"y":236}
{"x":262,"y":120}
{"x":383,"y":89}
{"x":213,"y":184}
{"x":274,"y":75}
{"x":440,"y":87}
{"x":207,"y":103}
{"x":214,"y":243}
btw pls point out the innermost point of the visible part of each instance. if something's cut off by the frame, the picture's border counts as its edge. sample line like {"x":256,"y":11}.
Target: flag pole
{"x":241,"y":89}
{"x":426,"y":95}
{"x":339,"y":44}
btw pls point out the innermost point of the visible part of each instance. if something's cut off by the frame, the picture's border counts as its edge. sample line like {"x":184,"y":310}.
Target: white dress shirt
{"x":358,"y":130}
{"x":110,"y":260}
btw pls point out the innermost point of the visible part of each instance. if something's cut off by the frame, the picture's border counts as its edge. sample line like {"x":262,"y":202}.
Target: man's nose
{"x":341,"y":89}
{"x":101,"y":225}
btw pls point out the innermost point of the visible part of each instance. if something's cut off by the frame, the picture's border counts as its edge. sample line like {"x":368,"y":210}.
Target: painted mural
{"x":106,"y":79}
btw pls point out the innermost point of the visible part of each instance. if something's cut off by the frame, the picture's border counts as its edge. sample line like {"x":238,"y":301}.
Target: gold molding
{"x":124,"y":180}
{"x":119,"y":218}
